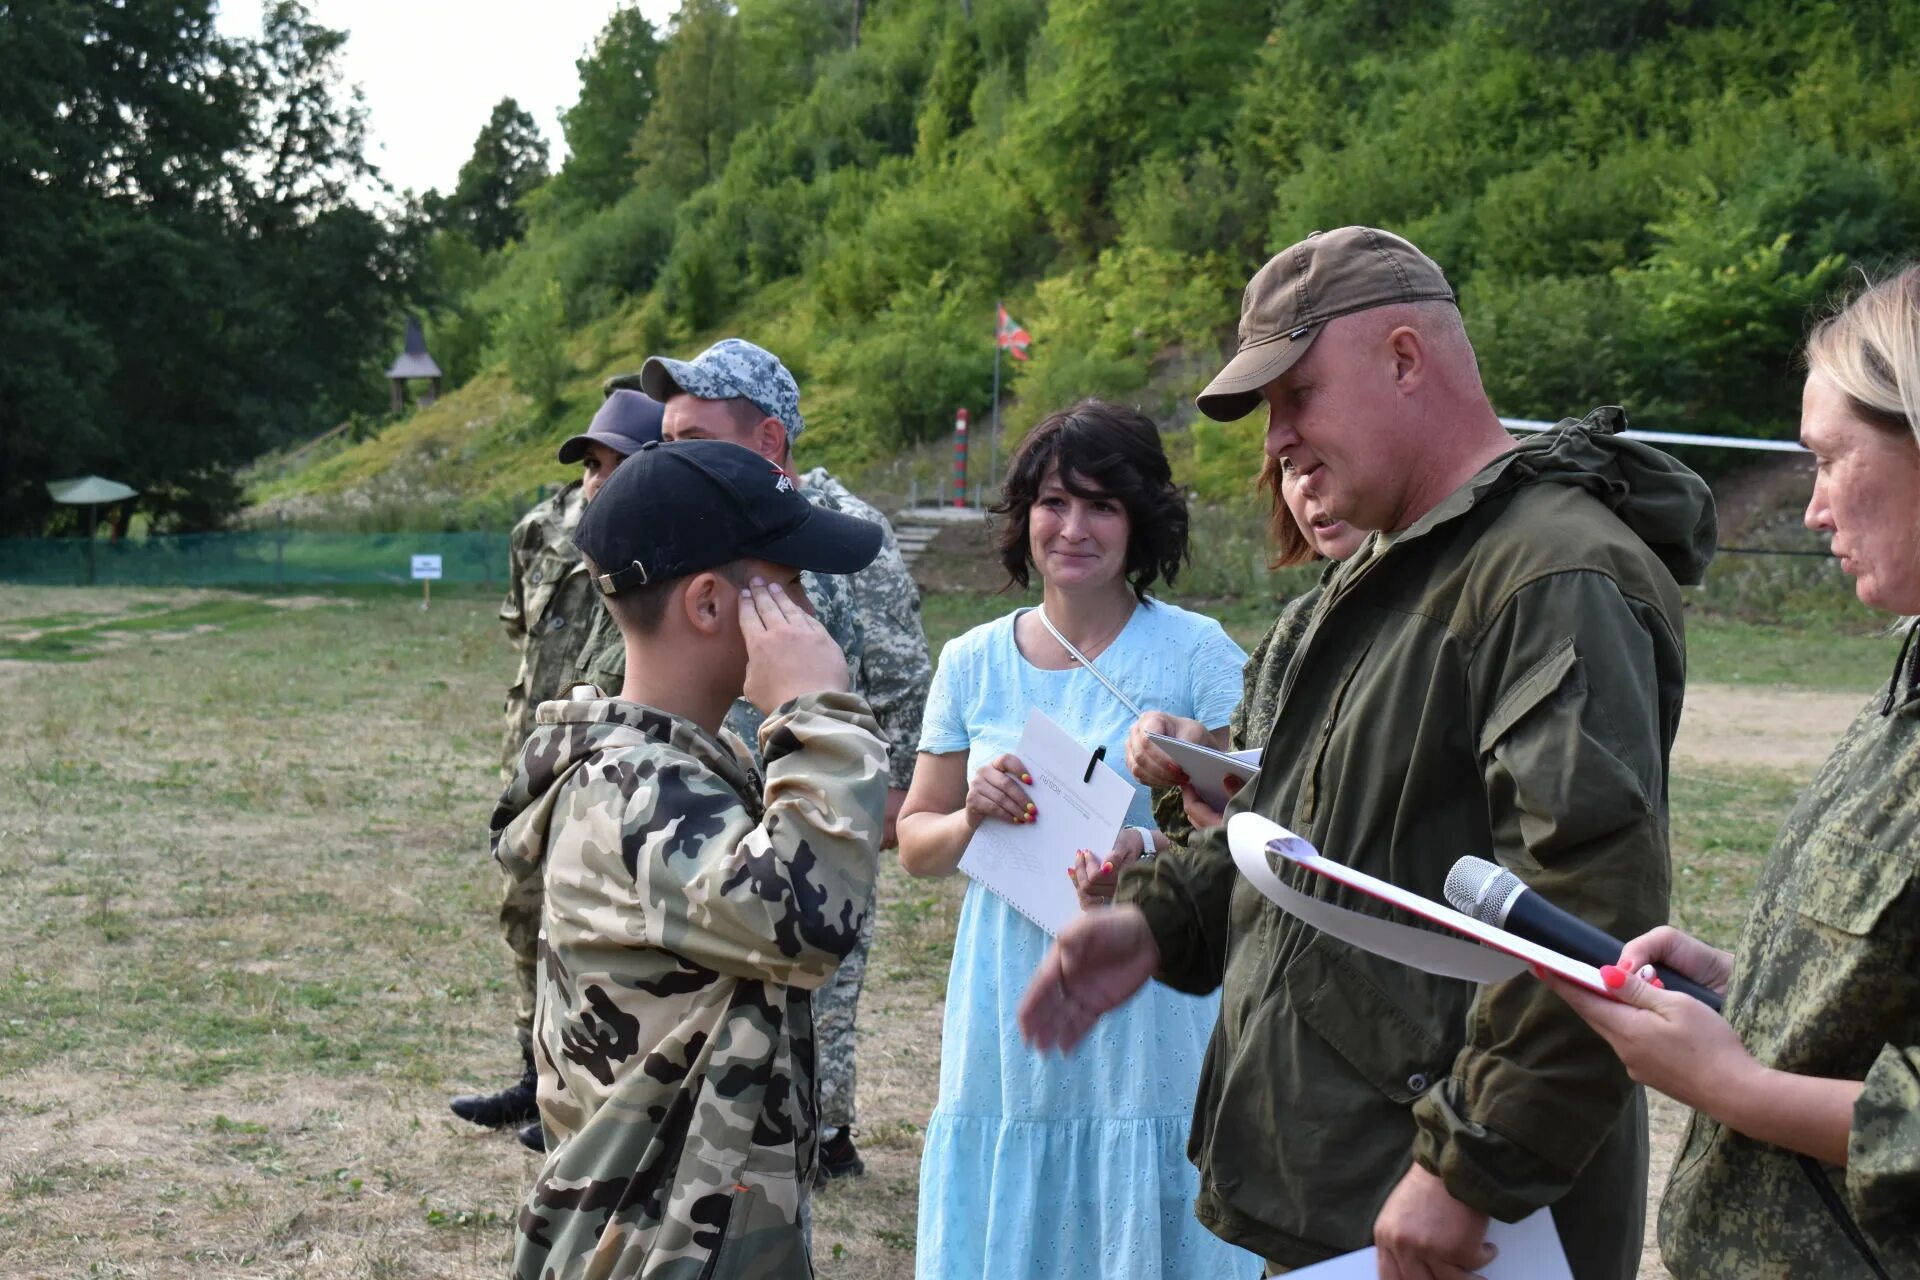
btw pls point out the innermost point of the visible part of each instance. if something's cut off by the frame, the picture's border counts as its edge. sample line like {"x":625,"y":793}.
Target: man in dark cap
{"x":691,"y":903}
{"x":1497,"y":672}
{"x":549,"y":613}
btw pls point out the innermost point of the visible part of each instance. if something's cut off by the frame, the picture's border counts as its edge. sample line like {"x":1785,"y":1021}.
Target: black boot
{"x":838,"y":1157}
{"x":533,"y":1137}
{"x":514,"y":1104}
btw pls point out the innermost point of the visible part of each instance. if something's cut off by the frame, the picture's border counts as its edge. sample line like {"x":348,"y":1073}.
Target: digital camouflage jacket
{"x":1502,"y":678}
{"x":550,"y":610}
{"x":874,"y":615}
{"x":1826,"y":983}
{"x":688,"y":913}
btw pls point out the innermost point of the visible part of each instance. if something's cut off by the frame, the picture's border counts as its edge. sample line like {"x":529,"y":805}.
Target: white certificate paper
{"x":1529,"y":1250}
{"x":1027,"y":863}
{"x":1208,"y":769}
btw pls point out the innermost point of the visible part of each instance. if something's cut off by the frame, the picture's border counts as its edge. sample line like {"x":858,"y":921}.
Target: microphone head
{"x":1481,"y":889}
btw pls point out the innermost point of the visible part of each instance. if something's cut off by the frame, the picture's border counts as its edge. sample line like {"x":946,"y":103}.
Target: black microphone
{"x":1494,"y":895}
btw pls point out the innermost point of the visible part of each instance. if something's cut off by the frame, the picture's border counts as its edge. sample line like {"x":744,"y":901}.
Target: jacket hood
{"x":568,"y":734}
{"x":1662,"y":501}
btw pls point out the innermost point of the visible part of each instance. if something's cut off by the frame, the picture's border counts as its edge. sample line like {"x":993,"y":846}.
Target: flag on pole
{"x":1014,"y":339}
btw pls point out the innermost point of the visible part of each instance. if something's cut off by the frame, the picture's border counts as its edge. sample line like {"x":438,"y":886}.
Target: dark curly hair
{"x":1103,"y":451}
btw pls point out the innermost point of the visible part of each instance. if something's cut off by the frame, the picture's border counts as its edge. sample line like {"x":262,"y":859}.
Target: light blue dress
{"x":1038,"y":1166}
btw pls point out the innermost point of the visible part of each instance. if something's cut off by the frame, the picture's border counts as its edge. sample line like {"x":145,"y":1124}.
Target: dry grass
{"x":244,"y":880}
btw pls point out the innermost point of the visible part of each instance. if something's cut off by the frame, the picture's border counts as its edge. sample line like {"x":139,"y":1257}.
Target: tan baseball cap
{"x":1288,"y":302}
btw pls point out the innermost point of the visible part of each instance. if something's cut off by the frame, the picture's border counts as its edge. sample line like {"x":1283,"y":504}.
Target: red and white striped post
{"x":959,"y":457}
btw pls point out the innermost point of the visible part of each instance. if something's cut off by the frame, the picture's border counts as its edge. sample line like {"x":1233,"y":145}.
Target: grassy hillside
{"x":1639,"y":203}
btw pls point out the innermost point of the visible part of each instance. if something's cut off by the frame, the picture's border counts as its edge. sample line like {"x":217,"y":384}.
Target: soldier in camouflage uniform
{"x":1803,"y":1156}
{"x":690,"y":906}
{"x":549,"y":613}
{"x":740,"y":392}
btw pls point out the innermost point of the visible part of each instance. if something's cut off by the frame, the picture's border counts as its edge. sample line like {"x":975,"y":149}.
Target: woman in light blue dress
{"x":1046,"y":1166}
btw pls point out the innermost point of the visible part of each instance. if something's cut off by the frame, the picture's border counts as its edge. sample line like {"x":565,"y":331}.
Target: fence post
{"x":959,"y":457}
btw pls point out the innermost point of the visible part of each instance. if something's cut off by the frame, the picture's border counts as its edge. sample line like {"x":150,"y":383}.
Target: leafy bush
{"x":927,"y":354}
{"x":531,"y":342}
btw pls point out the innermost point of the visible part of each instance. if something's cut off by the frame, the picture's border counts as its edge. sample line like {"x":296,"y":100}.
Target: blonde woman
{"x":1803,"y":1158}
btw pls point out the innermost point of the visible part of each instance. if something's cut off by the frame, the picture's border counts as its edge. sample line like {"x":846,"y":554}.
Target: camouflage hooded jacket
{"x":687,"y":916}
{"x":1826,"y":983}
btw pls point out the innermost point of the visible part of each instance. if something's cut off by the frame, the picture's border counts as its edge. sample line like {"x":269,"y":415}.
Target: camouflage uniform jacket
{"x":686,"y":919}
{"x":873,"y":614}
{"x":1827,"y":983}
{"x":549,"y":611}
{"x":1260,"y":682}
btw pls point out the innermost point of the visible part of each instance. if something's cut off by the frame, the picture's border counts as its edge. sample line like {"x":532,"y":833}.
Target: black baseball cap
{"x":671,"y":510}
{"x":626,"y":421}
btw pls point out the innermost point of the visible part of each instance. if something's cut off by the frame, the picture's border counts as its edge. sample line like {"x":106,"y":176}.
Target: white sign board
{"x":427,"y":568}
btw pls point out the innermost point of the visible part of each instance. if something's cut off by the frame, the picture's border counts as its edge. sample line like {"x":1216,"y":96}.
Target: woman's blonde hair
{"x":1870,"y":350}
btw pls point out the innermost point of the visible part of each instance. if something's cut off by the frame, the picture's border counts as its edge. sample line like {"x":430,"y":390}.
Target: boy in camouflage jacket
{"x":689,"y":907}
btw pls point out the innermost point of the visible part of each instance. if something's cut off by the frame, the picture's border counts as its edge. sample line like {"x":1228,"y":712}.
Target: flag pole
{"x":993,"y":473}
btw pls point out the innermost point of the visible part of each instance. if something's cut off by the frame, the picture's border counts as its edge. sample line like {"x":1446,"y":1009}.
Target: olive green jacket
{"x":1503,"y":678}
{"x":1826,"y":983}
{"x":1260,"y":681}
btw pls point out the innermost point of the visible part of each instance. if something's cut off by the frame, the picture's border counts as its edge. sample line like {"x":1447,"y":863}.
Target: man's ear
{"x":771,"y":439}
{"x":1408,"y":351}
{"x":707,"y":600}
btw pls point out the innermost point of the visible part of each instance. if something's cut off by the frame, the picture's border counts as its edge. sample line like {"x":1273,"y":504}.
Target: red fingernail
{"x":1106,"y":868}
{"x":1656,"y":982}
{"x":1027,"y":778}
{"x":1539,"y":970}
{"x":1614,"y":976}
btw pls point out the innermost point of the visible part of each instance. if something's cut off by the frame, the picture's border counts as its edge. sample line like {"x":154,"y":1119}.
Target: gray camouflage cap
{"x":732,"y":368}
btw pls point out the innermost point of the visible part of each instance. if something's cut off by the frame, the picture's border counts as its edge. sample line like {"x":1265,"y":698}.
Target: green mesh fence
{"x":267,"y":559}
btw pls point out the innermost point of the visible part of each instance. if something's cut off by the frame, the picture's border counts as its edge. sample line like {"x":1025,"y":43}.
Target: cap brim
{"x":825,"y":542}
{"x":659,"y":378}
{"x":574,"y":448}
{"x":1235,"y":390}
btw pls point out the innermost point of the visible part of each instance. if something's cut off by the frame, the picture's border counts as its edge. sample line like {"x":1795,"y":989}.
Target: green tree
{"x":1118,"y":80}
{"x":532,"y":344}
{"x":189,"y":279}
{"x":701,"y":103}
{"x":617,"y":85}
{"x":509,"y":161}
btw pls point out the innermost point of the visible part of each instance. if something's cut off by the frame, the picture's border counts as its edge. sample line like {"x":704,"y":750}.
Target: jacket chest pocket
{"x":1307,"y":808}
{"x":1851,"y":885}
{"x":544,"y":578}
{"x":1841,"y":946}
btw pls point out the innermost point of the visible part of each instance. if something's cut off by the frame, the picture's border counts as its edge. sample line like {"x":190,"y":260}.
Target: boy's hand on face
{"x":788,"y":652}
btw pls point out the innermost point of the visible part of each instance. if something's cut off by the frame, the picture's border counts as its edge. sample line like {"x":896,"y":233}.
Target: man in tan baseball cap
{"x":1290,"y":300}
{"x":1499,"y":673}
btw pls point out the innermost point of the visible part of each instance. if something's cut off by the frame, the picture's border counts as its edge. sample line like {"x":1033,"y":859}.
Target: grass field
{"x":244,"y":875}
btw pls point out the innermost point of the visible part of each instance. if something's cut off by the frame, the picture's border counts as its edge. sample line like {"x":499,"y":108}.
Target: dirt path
{"x":1748,"y":726}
